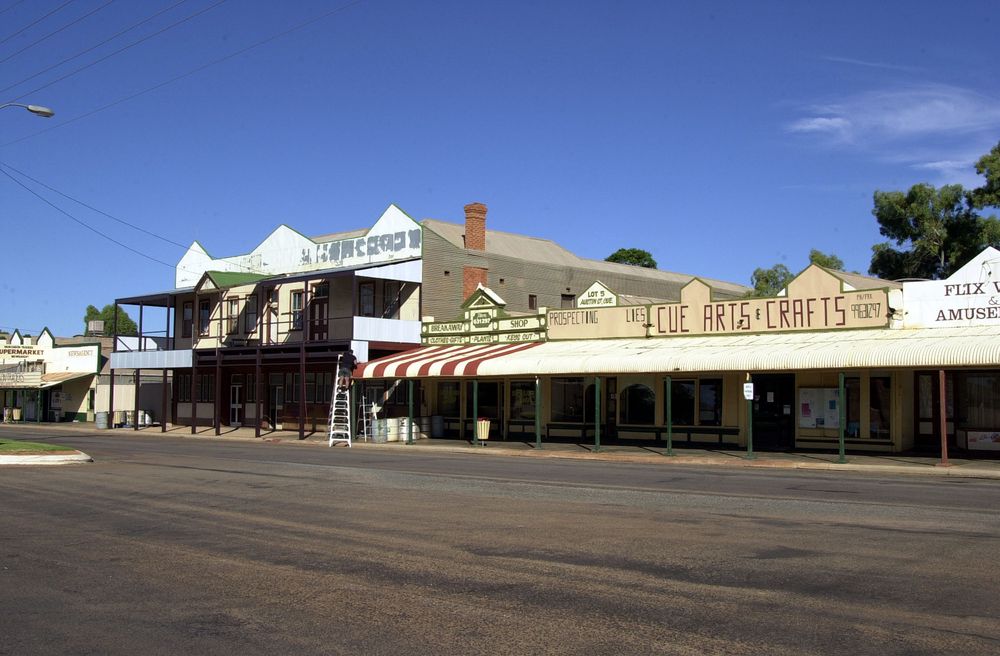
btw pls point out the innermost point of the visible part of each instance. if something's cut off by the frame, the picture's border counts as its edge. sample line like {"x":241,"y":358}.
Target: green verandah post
{"x":538,"y":413}
{"x":409,"y":419}
{"x":597,"y":413}
{"x":750,"y":455}
{"x":475,"y":412}
{"x":670,"y":417}
{"x":842,"y":409}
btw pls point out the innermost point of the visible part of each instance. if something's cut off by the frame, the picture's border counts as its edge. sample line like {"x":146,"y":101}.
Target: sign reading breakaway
{"x":484,"y":322}
{"x":816,"y":300}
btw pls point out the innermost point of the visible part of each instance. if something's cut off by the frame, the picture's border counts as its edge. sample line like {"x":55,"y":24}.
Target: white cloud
{"x":834,"y":125}
{"x":902,"y":114}
{"x":938,"y":129}
{"x":870,"y":64}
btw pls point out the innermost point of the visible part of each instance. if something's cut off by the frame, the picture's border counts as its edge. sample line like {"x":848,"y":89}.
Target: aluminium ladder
{"x":340,"y":412}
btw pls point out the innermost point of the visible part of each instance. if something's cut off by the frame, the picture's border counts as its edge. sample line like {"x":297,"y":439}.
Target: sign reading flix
{"x":971,"y":296}
{"x":484,"y":322}
{"x":815,"y":300}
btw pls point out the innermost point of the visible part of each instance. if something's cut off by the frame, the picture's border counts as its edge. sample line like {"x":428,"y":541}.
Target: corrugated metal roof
{"x":975,"y":346}
{"x":534,"y":249}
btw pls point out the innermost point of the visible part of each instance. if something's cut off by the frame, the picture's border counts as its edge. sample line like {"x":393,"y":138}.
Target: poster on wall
{"x":984,"y":440}
{"x":818,"y":407}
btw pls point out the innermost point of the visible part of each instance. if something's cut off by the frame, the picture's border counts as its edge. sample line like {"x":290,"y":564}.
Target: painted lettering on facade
{"x":970,"y":296}
{"x":867,"y":309}
{"x":19,"y":352}
{"x":343,"y":252}
{"x":451,"y":327}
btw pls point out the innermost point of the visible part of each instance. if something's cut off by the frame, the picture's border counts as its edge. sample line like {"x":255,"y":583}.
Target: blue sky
{"x":719,"y":136}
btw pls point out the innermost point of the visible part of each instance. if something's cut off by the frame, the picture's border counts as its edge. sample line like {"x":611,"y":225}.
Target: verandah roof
{"x":971,"y":346}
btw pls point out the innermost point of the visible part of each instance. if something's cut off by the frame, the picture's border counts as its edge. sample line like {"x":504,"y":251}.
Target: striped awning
{"x":462,"y":360}
{"x":933,"y":348}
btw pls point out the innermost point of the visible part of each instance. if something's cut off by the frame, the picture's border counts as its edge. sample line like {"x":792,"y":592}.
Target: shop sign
{"x":520,"y":323}
{"x":815,"y":301}
{"x":510,"y":338}
{"x":393,"y":238}
{"x":442,"y":340}
{"x":11,"y":352}
{"x":970,"y":297}
{"x":482,"y":320}
{"x":597,"y":295}
{"x":16,"y":379}
{"x":448,"y":327}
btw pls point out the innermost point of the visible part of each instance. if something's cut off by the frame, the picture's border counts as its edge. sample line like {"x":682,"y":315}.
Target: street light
{"x":34,"y":109}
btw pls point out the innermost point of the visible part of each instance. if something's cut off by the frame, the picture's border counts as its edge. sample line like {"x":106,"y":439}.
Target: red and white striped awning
{"x":463,"y":360}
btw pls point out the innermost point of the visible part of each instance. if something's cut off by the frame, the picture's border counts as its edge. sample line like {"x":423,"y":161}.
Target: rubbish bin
{"x":483,"y":429}
{"x":15,"y":414}
{"x":101,"y":420}
{"x":437,"y":426}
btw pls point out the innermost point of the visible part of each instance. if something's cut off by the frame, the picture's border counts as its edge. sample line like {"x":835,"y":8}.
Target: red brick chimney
{"x":475,"y":240}
{"x":475,"y":227}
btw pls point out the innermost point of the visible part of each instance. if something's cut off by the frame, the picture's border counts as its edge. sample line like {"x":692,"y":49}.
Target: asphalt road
{"x":167,"y":545}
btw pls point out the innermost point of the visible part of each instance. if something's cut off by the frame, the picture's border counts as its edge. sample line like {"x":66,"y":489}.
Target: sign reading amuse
{"x":815,"y":300}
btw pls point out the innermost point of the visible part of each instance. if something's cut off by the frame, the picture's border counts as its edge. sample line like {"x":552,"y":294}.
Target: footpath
{"x":924,"y":465}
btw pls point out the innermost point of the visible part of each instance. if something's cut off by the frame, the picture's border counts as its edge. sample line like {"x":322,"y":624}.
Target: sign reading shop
{"x":816,"y":300}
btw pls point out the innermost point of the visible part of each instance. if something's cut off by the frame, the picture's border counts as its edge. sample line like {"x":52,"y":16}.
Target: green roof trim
{"x":227,"y":279}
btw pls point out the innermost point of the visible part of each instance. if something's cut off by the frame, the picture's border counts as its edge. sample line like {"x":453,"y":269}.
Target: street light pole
{"x":38,"y":110}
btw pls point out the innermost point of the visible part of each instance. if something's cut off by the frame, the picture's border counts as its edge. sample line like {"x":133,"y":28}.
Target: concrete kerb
{"x":985,"y":469}
{"x":46,"y":459}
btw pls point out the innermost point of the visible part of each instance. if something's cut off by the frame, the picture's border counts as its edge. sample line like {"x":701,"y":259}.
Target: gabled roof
{"x":227,"y":279}
{"x":533,"y":249}
{"x":859,"y":281}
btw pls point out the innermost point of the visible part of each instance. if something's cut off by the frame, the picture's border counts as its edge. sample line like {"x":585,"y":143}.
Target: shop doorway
{"x":927,"y":436}
{"x":276,"y":406}
{"x":773,"y":412}
{"x":235,"y":405}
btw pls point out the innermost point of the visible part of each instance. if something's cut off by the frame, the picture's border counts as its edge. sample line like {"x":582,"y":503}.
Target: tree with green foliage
{"x":633,"y":256}
{"x":830,"y":261}
{"x":107,"y":314}
{"x":768,"y":282}
{"x":934,"y":231}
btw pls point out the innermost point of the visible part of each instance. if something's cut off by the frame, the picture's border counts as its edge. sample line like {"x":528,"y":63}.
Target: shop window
{"x":979,"y":401}
{"x":710,"y":402}
{"x":852,"y":394}
{"x":366,"y":299}
{"x":297,"y":297}
{"x":292,"y":387}
{"x":182,"y":385}
{"x":522,"y":399}
{"x":567,"y":302}
{"x":448,"y":399}
{"x":489,"y":400}
{"x":532,"y":302}
{"x":311,"y":388}
{"x":187,"y":319}
{"x":251,"y":388}
{"x":879,"y":391}
{"x":391,"y":299}
{"x":682,"y":402}
{"x":232,"y":316}
{"x":250,"y":319}
{"x":206,"y":388}
{"x":567,"y":398}
{"x":638,"y":405}
{"x":204,"y":316}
